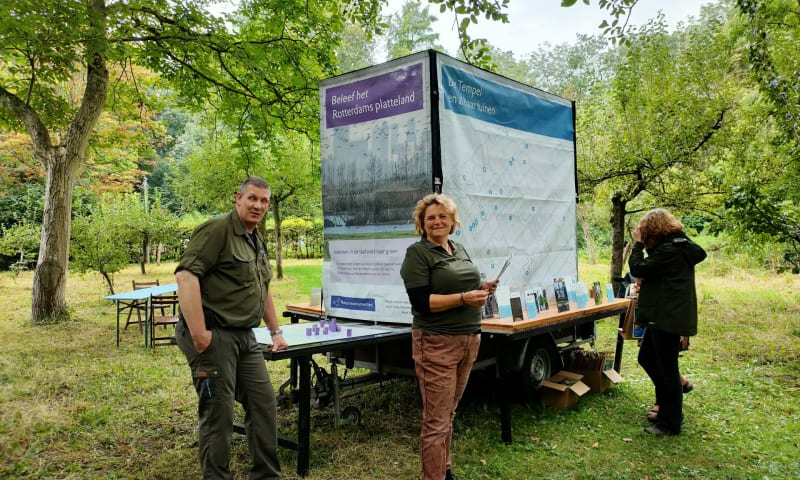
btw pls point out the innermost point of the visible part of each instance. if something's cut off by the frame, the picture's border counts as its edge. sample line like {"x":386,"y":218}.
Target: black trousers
{"x":658,"y":355}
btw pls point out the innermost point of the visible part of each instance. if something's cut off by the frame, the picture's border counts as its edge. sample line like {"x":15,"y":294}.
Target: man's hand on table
{"x":278,"y":343}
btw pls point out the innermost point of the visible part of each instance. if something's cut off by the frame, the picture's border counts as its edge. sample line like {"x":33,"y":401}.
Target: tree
{"x":766,"y":204}
{"x":411,"y":30}
{"x":357,"y":49}
{"x":55,"y":80}
{"x":28,"y":98}
{"x":96,"y":243}
{"x":288,"y":161}
{"x":293,"y":172}
{"x":118,"y":227}
{"x":648,"y":131}
{"x":20,"y":241}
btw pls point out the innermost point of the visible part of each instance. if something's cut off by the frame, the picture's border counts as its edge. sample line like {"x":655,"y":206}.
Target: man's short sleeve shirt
{"x":233,"y":270}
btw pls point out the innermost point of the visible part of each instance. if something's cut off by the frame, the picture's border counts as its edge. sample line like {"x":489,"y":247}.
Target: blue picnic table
{"x":141,"y":294}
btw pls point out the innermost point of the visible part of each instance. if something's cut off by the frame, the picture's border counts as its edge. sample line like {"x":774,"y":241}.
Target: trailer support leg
{"x":504,"y":390}
{"x":620,"y":345}
{"x":304,"y":417}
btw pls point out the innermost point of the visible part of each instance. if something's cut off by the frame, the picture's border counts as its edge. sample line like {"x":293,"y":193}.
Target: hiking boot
{"x":658,"y":431}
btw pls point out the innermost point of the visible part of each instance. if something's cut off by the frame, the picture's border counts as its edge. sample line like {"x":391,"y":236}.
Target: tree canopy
{"x":259,"y":64}
{"x":110,"y":92}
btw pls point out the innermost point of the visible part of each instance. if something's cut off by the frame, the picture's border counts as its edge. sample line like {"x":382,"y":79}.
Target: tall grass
{"x":72,"y":406}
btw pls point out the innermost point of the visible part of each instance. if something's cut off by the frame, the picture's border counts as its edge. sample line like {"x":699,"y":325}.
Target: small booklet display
{"x":562,"y":299}
{"x":503,"y":296}
{"x":610,"y":292}
{"x":516,"y":307}
{"x":531,"y":304}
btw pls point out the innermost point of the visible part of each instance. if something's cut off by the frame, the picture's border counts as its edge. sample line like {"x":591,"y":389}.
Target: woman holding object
{"x":446,"y":296}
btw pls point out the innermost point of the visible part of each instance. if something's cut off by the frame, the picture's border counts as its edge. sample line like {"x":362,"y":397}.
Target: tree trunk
{"x":62,"y":164}
{"x":48,"y":302}
{"x":276,"y":216}
{"x":144,"y":256}
{"x":618,"y":213}
{"x":587,"y":232}
{"x":109,"y":282}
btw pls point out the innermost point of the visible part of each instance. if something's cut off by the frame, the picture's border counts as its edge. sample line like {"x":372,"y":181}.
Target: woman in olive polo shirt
{"x":446,"y":296}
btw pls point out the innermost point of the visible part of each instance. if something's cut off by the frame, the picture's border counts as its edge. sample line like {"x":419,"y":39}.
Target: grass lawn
{"x":72,"y":406}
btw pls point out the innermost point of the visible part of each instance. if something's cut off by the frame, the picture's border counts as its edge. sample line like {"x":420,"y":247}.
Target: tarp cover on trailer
{"x":505,"y":153}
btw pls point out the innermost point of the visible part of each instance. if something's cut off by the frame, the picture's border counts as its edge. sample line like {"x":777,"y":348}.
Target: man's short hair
{"x":254,"y":181}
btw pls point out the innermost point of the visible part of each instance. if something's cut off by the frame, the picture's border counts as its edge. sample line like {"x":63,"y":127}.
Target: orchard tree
{"x":289,"y":162}
{"x":19,"y":241}
{"x":56,"y":56}
{"x":647,"y":133}
{"x":762,"y":205}
{"x":293,"y":171}
{"x":97,"y":245}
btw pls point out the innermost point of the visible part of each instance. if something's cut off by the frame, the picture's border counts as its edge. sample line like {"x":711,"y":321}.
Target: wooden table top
{"x":548,"y":317}
{"x":551,"y":316}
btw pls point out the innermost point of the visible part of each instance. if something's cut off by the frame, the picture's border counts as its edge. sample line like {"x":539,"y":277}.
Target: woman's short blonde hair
{"x":657,"y":224}
{"x":447,"y":204}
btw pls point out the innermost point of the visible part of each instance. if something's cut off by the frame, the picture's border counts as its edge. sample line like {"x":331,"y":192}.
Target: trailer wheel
{"x":351,"y":416}
{"x":541,"y":362}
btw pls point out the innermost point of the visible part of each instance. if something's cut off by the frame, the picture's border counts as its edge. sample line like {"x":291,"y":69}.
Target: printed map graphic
{"x":515,"y":191}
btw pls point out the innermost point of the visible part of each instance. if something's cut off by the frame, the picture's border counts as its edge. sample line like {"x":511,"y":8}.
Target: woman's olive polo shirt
{"x":234,"y":275}
{"x":427,"y":264}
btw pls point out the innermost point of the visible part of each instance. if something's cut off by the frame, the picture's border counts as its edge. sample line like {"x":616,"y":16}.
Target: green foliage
{"x":465,"y":13}
{"x":762,"y":203}
{"x":302,"y":238}
{"x":357,"y":50}
{"x":118,"y":230}
{"x":753,"y":216}
{"x":411,"y":30}
{"x":29,"y":31}
{"x":649,"y":130}
{"x":20,"y":241}
{"x":21,"y":203}
{"x":742,"y":419}
{"x":774,"y":33}
{"x":619,"y":11}
{"x":98,"y":244}
{"x":574,"y":71}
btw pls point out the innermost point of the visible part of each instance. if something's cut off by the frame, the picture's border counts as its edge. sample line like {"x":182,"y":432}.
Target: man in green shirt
{"x":223,"y":288}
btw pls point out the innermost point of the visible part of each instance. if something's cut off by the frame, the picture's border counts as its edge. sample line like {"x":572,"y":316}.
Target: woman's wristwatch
{"x":272,"y":333}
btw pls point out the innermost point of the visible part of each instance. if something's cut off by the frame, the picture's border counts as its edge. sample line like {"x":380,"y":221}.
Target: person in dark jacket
{"x":667,"y":307}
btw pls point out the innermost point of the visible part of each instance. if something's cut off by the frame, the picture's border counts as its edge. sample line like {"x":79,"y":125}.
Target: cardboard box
{"x":563,"y":390}
{"x":599,"y":381}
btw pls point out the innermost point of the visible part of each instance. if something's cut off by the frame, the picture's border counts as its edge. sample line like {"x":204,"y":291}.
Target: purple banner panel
{"x":381,"y":96}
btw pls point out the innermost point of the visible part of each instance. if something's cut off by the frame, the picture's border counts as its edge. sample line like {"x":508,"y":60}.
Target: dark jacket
{"x":667,"y":296}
